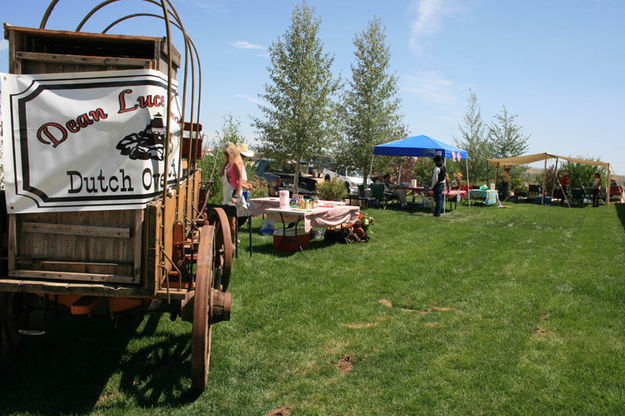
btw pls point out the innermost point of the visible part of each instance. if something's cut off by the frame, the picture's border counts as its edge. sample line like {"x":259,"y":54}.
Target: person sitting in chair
{"x":391,"y":190}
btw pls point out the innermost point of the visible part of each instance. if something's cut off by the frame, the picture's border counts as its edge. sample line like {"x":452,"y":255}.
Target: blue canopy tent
{"x":420,"y":146}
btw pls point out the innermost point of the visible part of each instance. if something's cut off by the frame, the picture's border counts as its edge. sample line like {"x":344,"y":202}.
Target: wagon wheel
{"x":10,"y":319}
{"x":202,"y":307}
{"x":222,"y":248}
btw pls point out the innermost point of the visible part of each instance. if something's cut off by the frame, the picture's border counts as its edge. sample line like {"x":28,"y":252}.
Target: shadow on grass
{"x":154,"y":375}
{"x":420,"y":208}
{"x":67,"y":369}
{"x":267,"y":248}
{"x":620,"y":211}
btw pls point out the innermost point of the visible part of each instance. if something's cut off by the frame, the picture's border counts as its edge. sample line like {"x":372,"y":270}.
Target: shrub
{"x":260,"y":187}
{"x":333,"y":190}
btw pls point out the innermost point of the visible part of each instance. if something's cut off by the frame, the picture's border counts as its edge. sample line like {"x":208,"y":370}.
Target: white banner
{"x":87,"y":141}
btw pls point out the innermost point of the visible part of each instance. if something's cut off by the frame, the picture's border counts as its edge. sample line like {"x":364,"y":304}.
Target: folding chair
{"x":377,"y":192}
{"x":364,"y":200}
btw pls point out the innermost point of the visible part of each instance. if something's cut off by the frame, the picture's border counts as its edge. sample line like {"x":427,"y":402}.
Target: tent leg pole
{"x":468,"y":185}
{"x":544,"y":182}
{"x":445,"y":187}
{"x":555,"y":174}
{"x":607,"y":188}
{"x":370,"y":170}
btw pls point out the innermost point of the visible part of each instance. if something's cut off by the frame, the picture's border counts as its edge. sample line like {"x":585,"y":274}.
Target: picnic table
{"x":326,"y":214}
{"x":452,"y":195}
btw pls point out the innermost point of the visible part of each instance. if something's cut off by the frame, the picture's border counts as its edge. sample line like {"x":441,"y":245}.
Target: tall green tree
{"x":505,"y":136}
{"x":474,"y":140}
{"x":371,"y":105}
{"x":297,"y":121}
{"x":230,"y":131}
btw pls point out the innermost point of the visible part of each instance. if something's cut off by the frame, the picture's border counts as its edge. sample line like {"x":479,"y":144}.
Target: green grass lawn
{"x":482,"y":311}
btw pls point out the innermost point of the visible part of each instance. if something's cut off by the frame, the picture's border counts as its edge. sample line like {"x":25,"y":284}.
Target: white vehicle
{"x":351,"y":181}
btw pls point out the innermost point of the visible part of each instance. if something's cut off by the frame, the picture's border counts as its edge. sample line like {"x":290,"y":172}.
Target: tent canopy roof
{"x":525,"y":159}
{"x":418,"y":146}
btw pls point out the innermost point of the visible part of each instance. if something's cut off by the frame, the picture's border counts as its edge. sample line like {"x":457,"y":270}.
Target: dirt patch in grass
{"x":283,"y":411}
{"x":542,"y":332}
{"x":360,"y":325}
{"x":386,"y":303}
{"x":431,"y":324}
{"x":346,"y":364}
{"x":428,"y":310}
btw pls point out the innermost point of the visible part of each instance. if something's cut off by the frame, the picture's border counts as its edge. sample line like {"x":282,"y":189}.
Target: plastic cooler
{"x":288,"y":242}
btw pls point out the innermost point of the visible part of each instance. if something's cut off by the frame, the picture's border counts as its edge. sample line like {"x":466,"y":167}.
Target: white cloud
{"x":431,"y":86}
{"x":242,"y":44}
{"x":249,"y":99}
{"x":212,"y":6}
{"x":4,"y":45}
{"x":429,"y":19}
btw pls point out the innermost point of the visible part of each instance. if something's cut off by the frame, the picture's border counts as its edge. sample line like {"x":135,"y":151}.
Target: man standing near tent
{"x":438,"y":183}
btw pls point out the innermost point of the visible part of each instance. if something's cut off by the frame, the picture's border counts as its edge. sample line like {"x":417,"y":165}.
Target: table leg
{"x":283,"y":231}
{"x":297,"y":239}
{"x":249,"y":224}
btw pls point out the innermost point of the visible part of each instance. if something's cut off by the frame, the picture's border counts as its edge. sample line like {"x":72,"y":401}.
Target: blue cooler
{"x":266,"y":227}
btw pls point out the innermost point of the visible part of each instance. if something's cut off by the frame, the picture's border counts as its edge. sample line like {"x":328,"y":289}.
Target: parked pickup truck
{"x":279,"y":180}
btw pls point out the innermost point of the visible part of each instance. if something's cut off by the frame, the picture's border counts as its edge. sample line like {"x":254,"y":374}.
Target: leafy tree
{"x":297,"y":122}
{"x":505,"y":135}
{"x":423,"y":171}
{"x":403,"y":167}
{"x":211,"y":161}
{"x":370,"y":105}
{"x":582,"y":175}
{"x":475,"y":140}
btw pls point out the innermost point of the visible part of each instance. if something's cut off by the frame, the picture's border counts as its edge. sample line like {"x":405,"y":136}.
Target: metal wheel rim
{"x":202,"y":307}
{"x":222,"y":249}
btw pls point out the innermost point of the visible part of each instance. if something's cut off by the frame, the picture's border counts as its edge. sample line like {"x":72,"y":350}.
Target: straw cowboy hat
{"x":244,"y":150}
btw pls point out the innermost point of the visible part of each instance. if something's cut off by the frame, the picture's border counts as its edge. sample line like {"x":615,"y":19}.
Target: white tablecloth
{"x":322,"y":216}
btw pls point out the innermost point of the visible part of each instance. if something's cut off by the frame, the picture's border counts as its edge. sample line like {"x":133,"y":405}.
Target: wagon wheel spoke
{"x":222,"y":248}
{"x":202,"y":307}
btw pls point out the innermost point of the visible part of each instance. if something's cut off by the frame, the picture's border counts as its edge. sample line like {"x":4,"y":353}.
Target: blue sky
{"x":558,"y":64}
